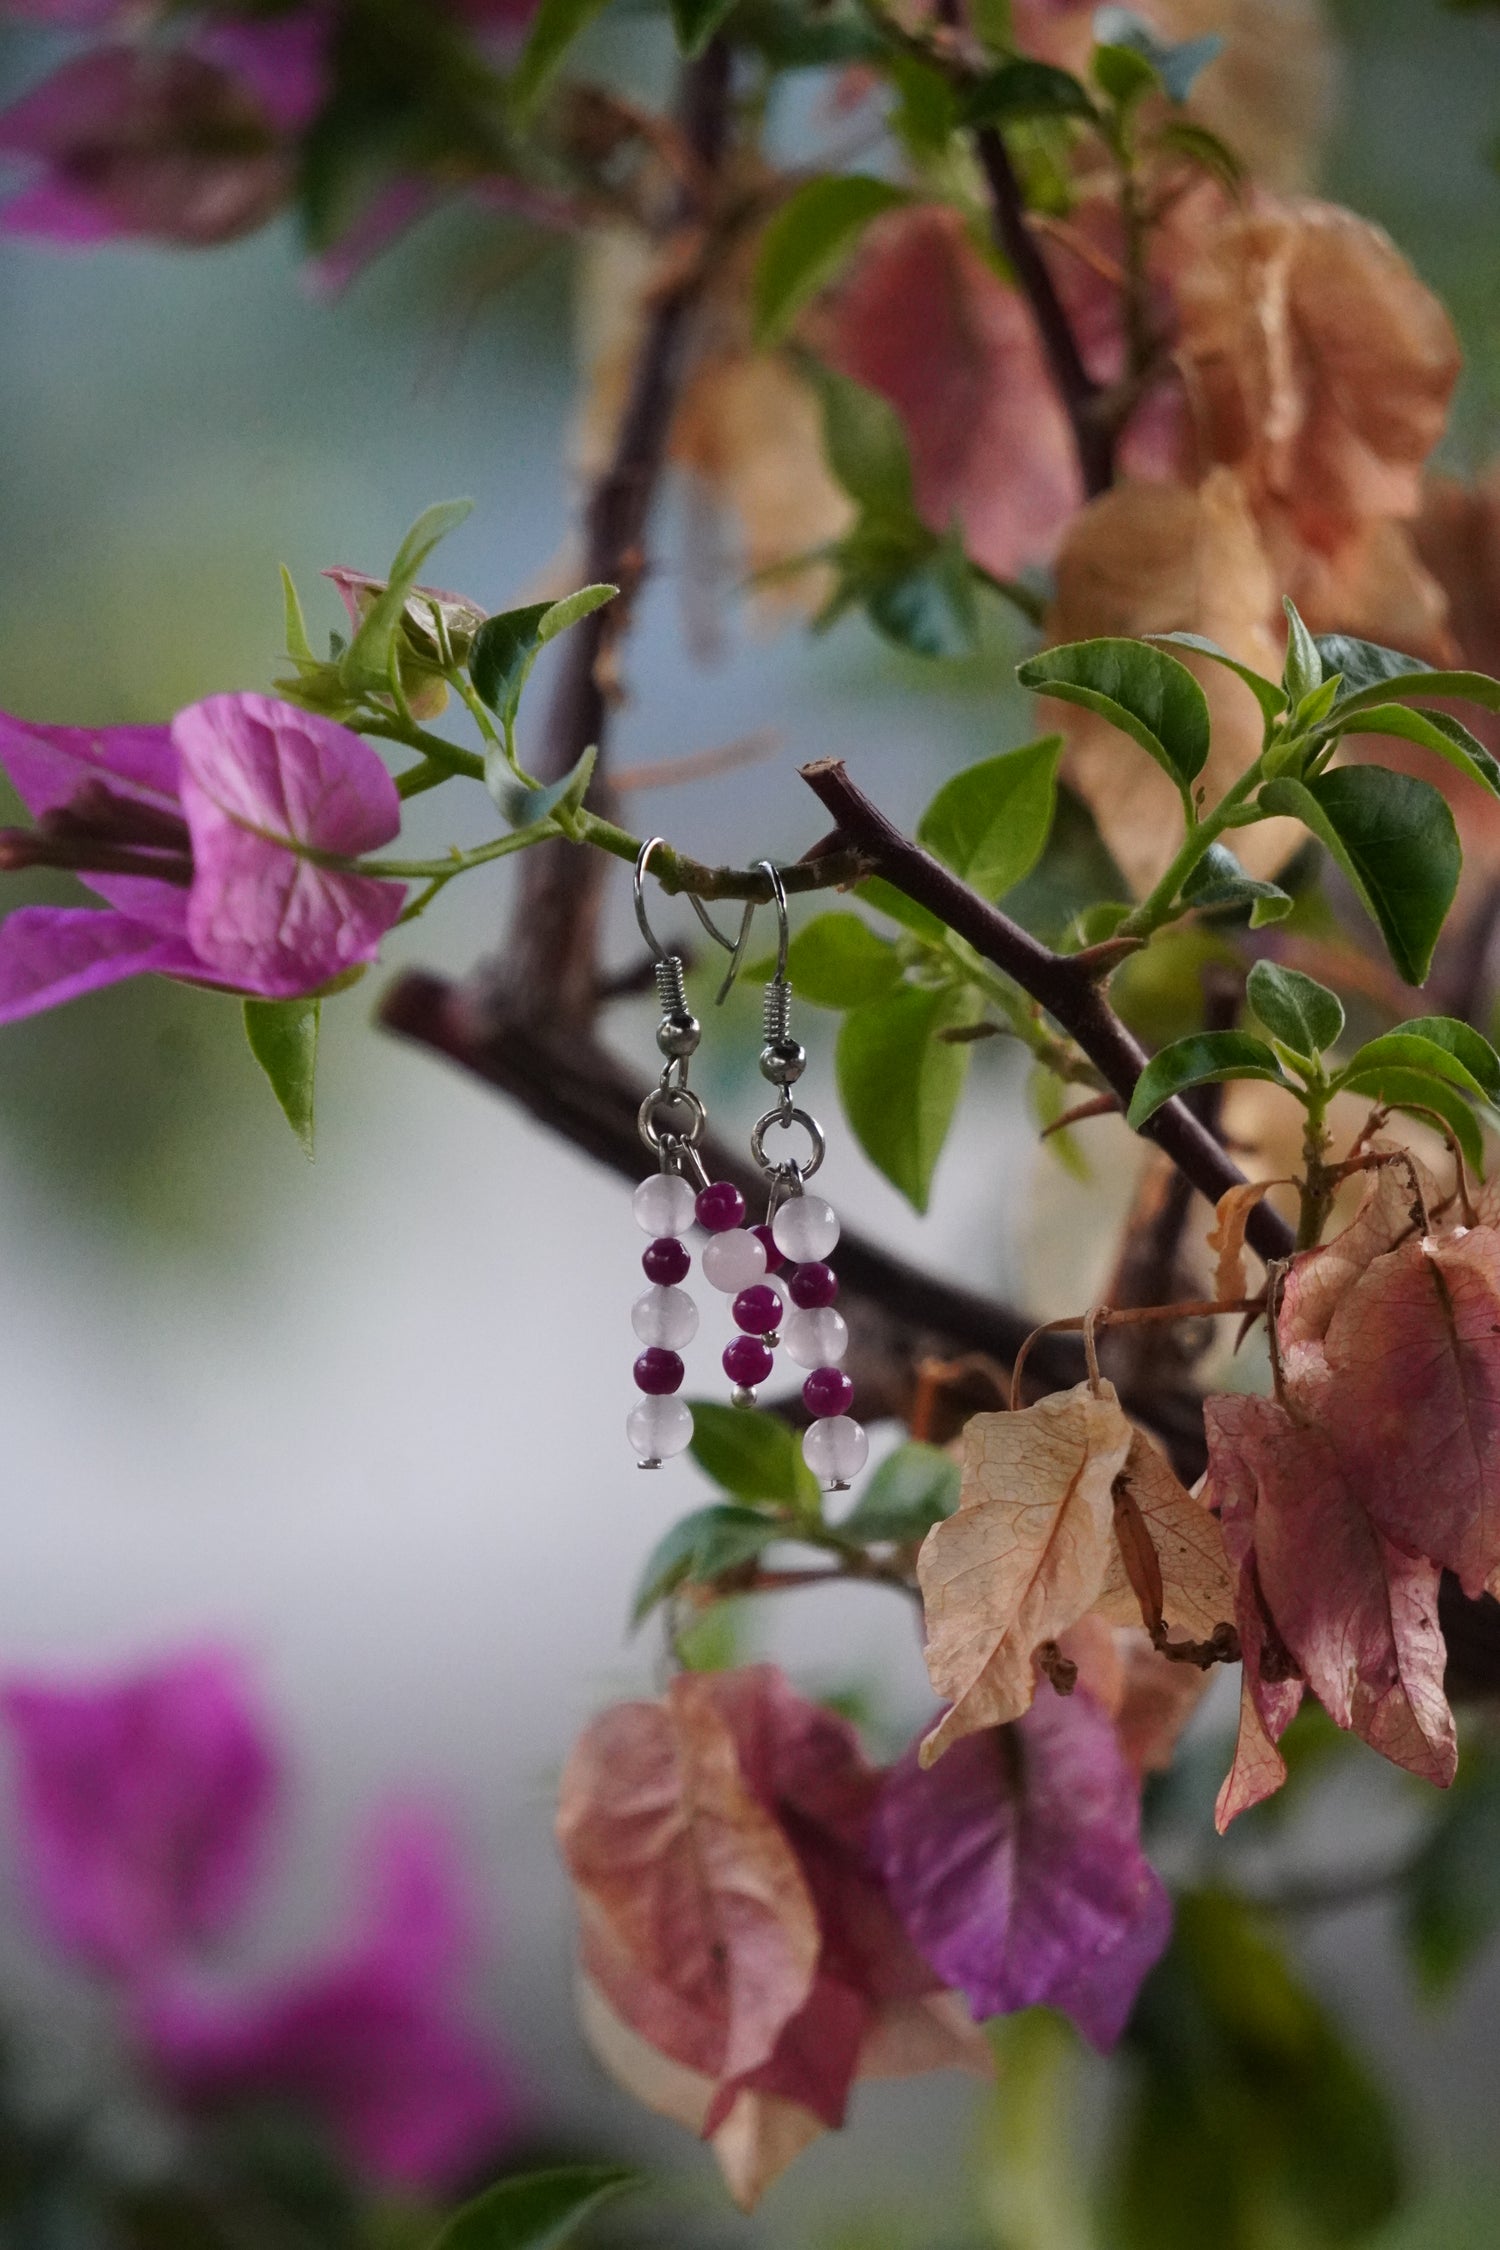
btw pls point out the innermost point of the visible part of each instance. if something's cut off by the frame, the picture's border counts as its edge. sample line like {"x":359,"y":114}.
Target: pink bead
{"x":658,"y":1372}
{"x":757,"y":1310}
{"x":720,"y":1207}
{"x":665,"y":1261}
{"x":827,"y":1390}
{"x":811,"y":1287}
{"x":774,"y":1260}
{"x":747,"y":1361}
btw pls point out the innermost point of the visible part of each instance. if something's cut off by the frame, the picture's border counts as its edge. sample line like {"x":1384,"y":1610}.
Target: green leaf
{"x":1303,"y":1014}
{"x":1395,"y":840}
{"x":1415,"y":1091}
{"x":990,"y":822}
{"x":537,"y":2210}
{"x":1248,"y":2122}
{"x":1452,"y":1904}
{"x":808,"y":240}
{"x":554,"y":27}
{"x":1218,"y":881}
{"x":696,"y":21}
{"x":1176,"y":63}
{"x":527,"y":808}
{"x":1138,"y":688}
{"x":283,"y":1036}
{"x":929,"y":606}
{"x":899,"y":1082}
{"x":1025,"y":89}
{"x":1464,"y":1043}
{"x":1267,"y":694}
{"x":1183,"y":136}
{"x":1435,"y":730}
{"x":886,"y":899}
{"x":298,"y":647}
{"x":508,"y":644}
{"x":838,"y":961}
{"x":1373,"y":674}
{"x":754,"y":1456}
{"x":1206,"y":1058}
{"x":1303,"y":670}
{"x":701,"y":1548}
{"x":1124,"y":74}
{"x":914,"y":1488}
{"x":865,"y":444}
{"x":1408,"y":1049}
{"x":369,"y":653}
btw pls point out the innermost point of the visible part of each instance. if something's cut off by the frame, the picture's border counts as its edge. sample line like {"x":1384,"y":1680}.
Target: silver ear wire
{"x":782,"y":1058}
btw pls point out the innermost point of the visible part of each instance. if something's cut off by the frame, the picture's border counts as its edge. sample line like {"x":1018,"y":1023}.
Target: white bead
{"x":731,"y":1261}
{"x":805,"y":1229}
{"x":835,"y":1449}
{"x":664,"y":1204}
{"x":659,"y":1427}
{"x":818,"y":1338}
{"x":665,"y":1316}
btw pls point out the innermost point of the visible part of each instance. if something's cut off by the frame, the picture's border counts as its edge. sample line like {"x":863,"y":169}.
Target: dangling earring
{"x":804,"y":1229}
{"x":671,"y":1121}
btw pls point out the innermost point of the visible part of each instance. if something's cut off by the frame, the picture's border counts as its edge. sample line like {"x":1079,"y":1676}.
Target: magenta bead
{"x":757,"y":1310}
{"x":666,"y":1261}
{"x":811,"y":1287}
{"x":747,"y":1361}
{"x":827,"y":1391}
{"x":658,"y":1372}
{"x":720,"y":1207}
{"x":774,"y":1259}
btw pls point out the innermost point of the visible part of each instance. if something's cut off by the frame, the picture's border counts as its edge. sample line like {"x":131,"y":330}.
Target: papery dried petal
{"x":1197,"y":1585}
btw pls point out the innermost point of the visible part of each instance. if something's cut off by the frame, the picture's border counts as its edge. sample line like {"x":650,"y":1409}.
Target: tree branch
{"x":552,"y":956}
{"x":1067,"y":992}
{"x":1079,"y":394}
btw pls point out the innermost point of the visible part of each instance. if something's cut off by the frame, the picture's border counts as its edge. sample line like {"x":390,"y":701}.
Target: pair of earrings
{"x":763,"y":1269}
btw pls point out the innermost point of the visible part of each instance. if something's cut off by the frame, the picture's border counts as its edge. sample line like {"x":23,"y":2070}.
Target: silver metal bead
{"x":783,"y":1061}
{"x":678,"y":1033}
{"x":740,"y":1396}
{"x":648,"y":1463}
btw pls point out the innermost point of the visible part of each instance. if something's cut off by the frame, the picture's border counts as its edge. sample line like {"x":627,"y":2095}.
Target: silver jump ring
{"x":786,"y":1119}
{"x":670,"y":1102}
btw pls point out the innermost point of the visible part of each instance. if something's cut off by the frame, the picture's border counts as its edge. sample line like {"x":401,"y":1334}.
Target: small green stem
{"x":1158,"y":904}
{"x":1316,"y":1188}
{"x":450,"y":755}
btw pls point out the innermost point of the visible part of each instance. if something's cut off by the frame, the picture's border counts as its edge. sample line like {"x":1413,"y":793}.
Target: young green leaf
{"x":838,"y":961}
{"x":900,"y":1082}
{"x":1176,"y":63}
{"x":754,"y":1456}
{"x":1435,"y":730}
{"x":1468,"y":1046}
{"x":1395,"y":840}
{"x":1206,"y":1058}
{"x":1372,"y":674}
{"x":508,"y":644}
{"x":283,"y":1036}
{"x":368,"y":655}
{"x":1219,"y":882}
{"x":1183,"y":136}
{"x":527,"y":808}
{"x":808,"y":240}
{"x":1407,"y":1049}
{"x":1025,"y":89}
{"x":990,"y":823}
{"x":1303,"y":670}
{"x":696,"y":21}
{"x":914,"y":1488}
{"x":1303,"y":1014}
{"x":701,"y":1548}
{"x":298,"y":647}
{"x":1124,"y":74}
{"x":554,"y":27}
{"x":1267,"y":694}
{"x":1138,"y":688}
{"x":536,"y":2210}
{"x":865,"y":444}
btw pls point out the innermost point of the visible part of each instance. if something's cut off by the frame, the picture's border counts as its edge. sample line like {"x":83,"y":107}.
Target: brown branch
{"x":1080,"y":395}
{"x":1070,"y":995}
{"x":553,"y":951}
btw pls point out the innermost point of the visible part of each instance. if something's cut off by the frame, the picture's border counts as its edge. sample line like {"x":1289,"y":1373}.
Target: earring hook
{"x":734,"y":947}
{"x":783,"y":927}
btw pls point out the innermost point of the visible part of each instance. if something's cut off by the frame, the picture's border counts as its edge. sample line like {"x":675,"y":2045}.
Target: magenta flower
{"x":373,"y":2043}
{"x":143,"y":1808}
{"x":171,"y":145}
{"x":1015,"y":1866}
{"x":190,"y":834}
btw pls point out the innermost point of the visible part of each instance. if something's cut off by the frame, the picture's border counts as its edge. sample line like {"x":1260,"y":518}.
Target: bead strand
{"x":834,"y":1445}
{"x":664,"y":1318}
